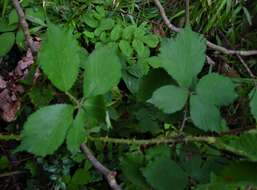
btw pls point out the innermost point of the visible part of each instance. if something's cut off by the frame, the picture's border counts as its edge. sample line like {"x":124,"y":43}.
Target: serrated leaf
{"x":6,"y":42}
{"x":253,"y":103}
{"x":204,"y":114}
{"x":163,"y":174}
{"x":216,"y":89}
{"x":140,"y":48}
{"x":77,"y":133}
{"x":126,"y":48}
{"x":184,"y":56}
{"x":45,"y":129}
{"x":169,"y":98}
{"x":59,"y":57}
{"x":102,"y":71}
{"x":151,"y":40}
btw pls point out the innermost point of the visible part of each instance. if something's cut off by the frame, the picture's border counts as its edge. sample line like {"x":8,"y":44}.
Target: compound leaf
{"x":45,"y":130}
{"x":59,"y":57}
{"x":169,"y":98}
{"x":102,"y":71}
{"x":184,"y":56}
{"x":216,"y":89}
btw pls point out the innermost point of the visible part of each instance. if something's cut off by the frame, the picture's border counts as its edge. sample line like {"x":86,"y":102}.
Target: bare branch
{"x":108,"y":174}
{"x":209,"y":44}
{"x":25,"y":27}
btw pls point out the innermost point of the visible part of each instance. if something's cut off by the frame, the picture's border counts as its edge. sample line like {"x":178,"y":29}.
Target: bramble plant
{"x":147,"y":104}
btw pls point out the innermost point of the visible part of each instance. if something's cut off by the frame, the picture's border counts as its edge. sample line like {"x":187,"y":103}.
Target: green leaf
{"x":244,"y":145}
{"x":59,"y":57}
{"x":216,"y":89}
{"x":45,"y":130}
{"x":20,"y":39}
{"x":116,"y":33}
{"x":13,"y":17}
{"x":204,"y":114}
{"x":184,"y":56}
{"x":128,"y":32}
{"x":130,"y":166}
{"x":90,"y":20}
{"x":163,"y":174}
{"x":152,"y":81}
{"x":154,"y":61}
{"x":40,"y":96}
{"x":5,"y":27}
{"x":253,"y":103}
{"x":102,"y":71}
{"x":77,"y":133}
{"x":95,"y":109}
{"x":169,"y":98}
{"x":126,"y":48}
{"x":6,"y":42}
{"x":81,"y":177}
{"x":140,"y":48}
{"x":36,"y":16}
{"x":151,"y":40}
{"x":106,"y":24}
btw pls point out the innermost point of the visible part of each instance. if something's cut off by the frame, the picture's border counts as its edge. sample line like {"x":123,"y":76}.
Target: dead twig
{"x":209,"y":44}
{"x":108,"y":174}
{"x":25,"y":27}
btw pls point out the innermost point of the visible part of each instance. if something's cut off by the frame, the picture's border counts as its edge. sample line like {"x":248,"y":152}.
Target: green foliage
{"x":76,"y":134}
{"x":6,"y":42}
{"x":184,"y":56}
{"x":253,"y":103}
{"x":161,"y":120}
{"x":98,"y":78}
{"x":211,"y":86}
{"x":244,"y":144}
{"x":45,"y":130}
{"x":204,"y":114}
{"x":169,"y":98}
{"x":59,"y":58}
{"x":211,"y":91}
{"x":170,"y":175}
